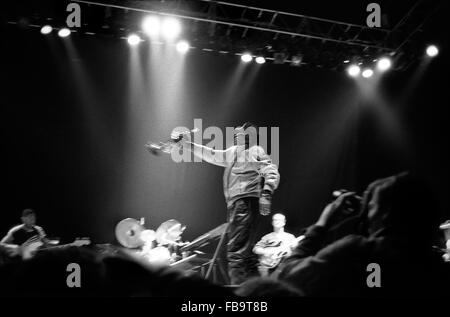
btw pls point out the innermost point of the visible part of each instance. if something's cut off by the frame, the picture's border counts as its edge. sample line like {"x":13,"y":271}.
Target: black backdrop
{"x":73,"y":130}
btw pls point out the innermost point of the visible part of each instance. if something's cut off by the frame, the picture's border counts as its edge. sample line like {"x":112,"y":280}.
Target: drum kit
{"x":163,"y":246}
{"x":158,"y":247}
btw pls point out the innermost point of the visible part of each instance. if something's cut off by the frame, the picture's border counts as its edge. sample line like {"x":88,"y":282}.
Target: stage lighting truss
{"x":280,"y":37}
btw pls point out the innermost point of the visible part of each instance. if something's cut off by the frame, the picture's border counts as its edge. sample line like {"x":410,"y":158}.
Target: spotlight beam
{"x":367,"y":73}
{"x":170,"y":28}
{"x":46,"y":29}
{"x":133,"y":39}
{"x":432,"y":51}
{"x":246,"y":57}
{"x":64,"y":32}
{"x":151,"y":25}
{"x":353,"y":70}
{"x":384,"y":64}
{"x":182,"y":46}
{"x":260,"y":60}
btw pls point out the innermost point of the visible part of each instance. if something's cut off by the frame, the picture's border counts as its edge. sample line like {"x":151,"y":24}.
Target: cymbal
{"x":128,"y":233}
{"x":169,"y":232}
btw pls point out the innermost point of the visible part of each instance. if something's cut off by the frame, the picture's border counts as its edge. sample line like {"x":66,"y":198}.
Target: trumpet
{"x":167,"y":147}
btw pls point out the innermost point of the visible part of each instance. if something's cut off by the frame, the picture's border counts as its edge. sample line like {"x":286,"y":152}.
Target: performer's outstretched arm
{"x":210,"y":155}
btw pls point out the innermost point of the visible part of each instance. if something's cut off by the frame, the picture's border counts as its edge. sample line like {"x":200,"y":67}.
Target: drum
{"x":159,"y":256}
{"x":128,"y":233}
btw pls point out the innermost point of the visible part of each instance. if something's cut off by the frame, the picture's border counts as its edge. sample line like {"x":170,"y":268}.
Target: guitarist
{"x":274,"y":246}
{"x":18,"y":235}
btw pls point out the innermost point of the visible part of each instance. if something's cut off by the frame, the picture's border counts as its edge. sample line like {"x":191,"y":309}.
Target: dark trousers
{"x":243,"y":217}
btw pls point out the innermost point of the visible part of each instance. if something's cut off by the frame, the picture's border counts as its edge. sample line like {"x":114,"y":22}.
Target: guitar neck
{"x":66,"y":245}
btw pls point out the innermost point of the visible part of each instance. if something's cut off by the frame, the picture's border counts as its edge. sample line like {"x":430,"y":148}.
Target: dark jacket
{"x":407,"y":268}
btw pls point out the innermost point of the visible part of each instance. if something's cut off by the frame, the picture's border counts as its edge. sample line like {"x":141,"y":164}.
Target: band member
{"x":20,"y":234}
{"x":249,"y":181}
{"x":274,"y":246}
{"x":445,"y":227}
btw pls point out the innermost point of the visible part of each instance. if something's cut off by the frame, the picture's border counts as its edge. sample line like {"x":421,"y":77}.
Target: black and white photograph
{"x":231,"y":156}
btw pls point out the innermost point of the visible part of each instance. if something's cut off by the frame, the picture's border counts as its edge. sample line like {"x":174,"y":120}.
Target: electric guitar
{"x":29,"y":248}
{"x":276,"y":252}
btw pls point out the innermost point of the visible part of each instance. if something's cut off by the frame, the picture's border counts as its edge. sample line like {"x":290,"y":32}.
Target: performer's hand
{"x":181,"y":135}
{"x":265,"y":203}
{"x":176,"y":136}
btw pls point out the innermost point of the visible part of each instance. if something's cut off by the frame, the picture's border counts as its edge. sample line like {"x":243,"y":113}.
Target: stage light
{"x":151,"y":25}
{"x":346,"y":61}
{"x":384,"y":64}
{"x":64,"y":32}
{"x":432,"y":50}
{"x":367,"y":73}
{"x":246,"y":57}
{"x":182,"y":46}
{"x":260,"y":60}
{"x":133,"y":39}
{"x":296,"y":60}
{"x":46,"y":29}
{"x":171,"y":28}
{"x":353,"y":70}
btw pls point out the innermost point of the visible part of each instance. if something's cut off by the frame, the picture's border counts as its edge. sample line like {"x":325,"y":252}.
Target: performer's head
{"x":278,"y":221}
{"x":246,"y":134}
{"x":28,"y":217}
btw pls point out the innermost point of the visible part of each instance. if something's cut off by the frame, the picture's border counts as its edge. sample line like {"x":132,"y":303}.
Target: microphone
{"x":157,"y":148}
